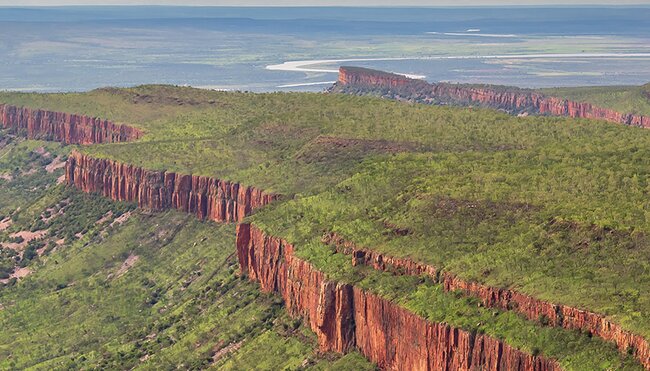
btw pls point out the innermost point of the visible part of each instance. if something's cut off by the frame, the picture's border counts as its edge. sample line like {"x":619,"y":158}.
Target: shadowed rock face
{"x":207,"y":198}
{"x":64,"y":127}
{"x":360,"y":80}
{"x":344,"y":317}
{"x":530,"y":307}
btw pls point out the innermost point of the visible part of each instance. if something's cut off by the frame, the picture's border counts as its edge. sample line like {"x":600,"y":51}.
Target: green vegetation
{"x":553,"y":207}
{"x":28,"y":174}
{"x":160,"y":291}
{"x":542,"y":232}
{"x":23,"y":177}
{"x":102,"y":294}
{"x":625,"y":99}
{"x":573,"y":350}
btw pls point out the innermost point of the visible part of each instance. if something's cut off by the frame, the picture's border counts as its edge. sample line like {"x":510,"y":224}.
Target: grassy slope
{"x":583,"y":184}
{"x":24,"y":169}
{"x":626,"y":99}
{"x":26,"y":188}
{"x":179,"y":304}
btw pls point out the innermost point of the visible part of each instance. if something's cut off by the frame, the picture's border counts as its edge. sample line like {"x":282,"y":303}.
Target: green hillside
{"x":111,"y":287}
{"x":553,"y":207}
{"x":179,"y":304}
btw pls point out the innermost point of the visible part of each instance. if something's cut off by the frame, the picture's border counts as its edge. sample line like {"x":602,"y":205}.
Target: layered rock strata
{"x":64,"y":127}
{"x":205,"y":197}
{"x":514,"y":100}
{"x":531,"y":308}
{"x":346,"y":317}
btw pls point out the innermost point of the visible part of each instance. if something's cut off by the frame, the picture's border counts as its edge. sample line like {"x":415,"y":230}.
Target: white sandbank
{"x":313,"y":65}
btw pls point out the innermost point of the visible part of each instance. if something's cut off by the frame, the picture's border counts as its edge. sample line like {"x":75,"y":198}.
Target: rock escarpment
{"x":346,"y":317}
{"x":530,"y":307}
{"x":514,"y":100}
{"x":64,"y":127}
{"x":207,"y":198}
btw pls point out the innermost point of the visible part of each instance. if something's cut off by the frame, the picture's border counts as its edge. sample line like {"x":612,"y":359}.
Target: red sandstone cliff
{"x":344,"y":317}
{"x":64,"y":127}
{"x":530,"y":307}
{"x":353,"y":79}
{"x":207,"y":198}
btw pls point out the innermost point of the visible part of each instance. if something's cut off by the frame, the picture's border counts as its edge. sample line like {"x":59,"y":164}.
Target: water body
{"x":300,"y":49}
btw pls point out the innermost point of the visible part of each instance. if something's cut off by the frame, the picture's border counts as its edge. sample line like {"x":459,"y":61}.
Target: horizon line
{"x":553,"y":5}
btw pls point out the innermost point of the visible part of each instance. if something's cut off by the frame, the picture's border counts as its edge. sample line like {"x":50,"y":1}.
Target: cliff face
{"x":360,"y":80}
{"x":530,"y":307}
{"x":344,"y":317}
{"x":207,"y":198}
{"x":64,"y":127}
{"x":373,"y":78}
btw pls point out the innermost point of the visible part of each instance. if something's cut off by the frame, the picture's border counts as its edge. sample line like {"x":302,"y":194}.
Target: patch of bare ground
{"x":121,"y":219}
{"x":6,"y":177}
{"x":5,"y":223}
{"x":19,"y":273}
{"x":42,"y":250}
{"x":220,"y":351}
{"x":26,"y":236}
{"x":128,"y":263}
{"x":56,"y":164}
{"x":41,"y":151}
{"x":106,"y":217}
{"x":53,"y":212}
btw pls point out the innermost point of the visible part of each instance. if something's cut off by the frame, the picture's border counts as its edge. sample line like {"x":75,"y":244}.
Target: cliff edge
{"x":361,"y":81}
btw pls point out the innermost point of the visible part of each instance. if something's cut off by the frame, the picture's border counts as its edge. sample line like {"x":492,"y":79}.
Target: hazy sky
{"x":318,"y":2}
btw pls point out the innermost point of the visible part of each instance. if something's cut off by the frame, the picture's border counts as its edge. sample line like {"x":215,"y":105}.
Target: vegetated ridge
{"x":345,"y":316}
{"x":530,"y":307}
{"x":226,"y":202}
{"x":356,"y":80}
{"x":223,"y":201}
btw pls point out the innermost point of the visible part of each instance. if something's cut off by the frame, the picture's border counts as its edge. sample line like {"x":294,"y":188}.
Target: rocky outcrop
{"x":64,"y":127}
{"x":514,"y":100}
{"x":346,"y":317}
{"x":530,"y":307}
{"x":207,"y":198}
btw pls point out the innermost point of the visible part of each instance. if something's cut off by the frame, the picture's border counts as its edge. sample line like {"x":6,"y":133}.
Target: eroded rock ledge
{"x":346,"y":317}
{"x":530,"y":307}
{"x":205,"y":197}
{"x":357,"y":80}
{"x":64,"y":127}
